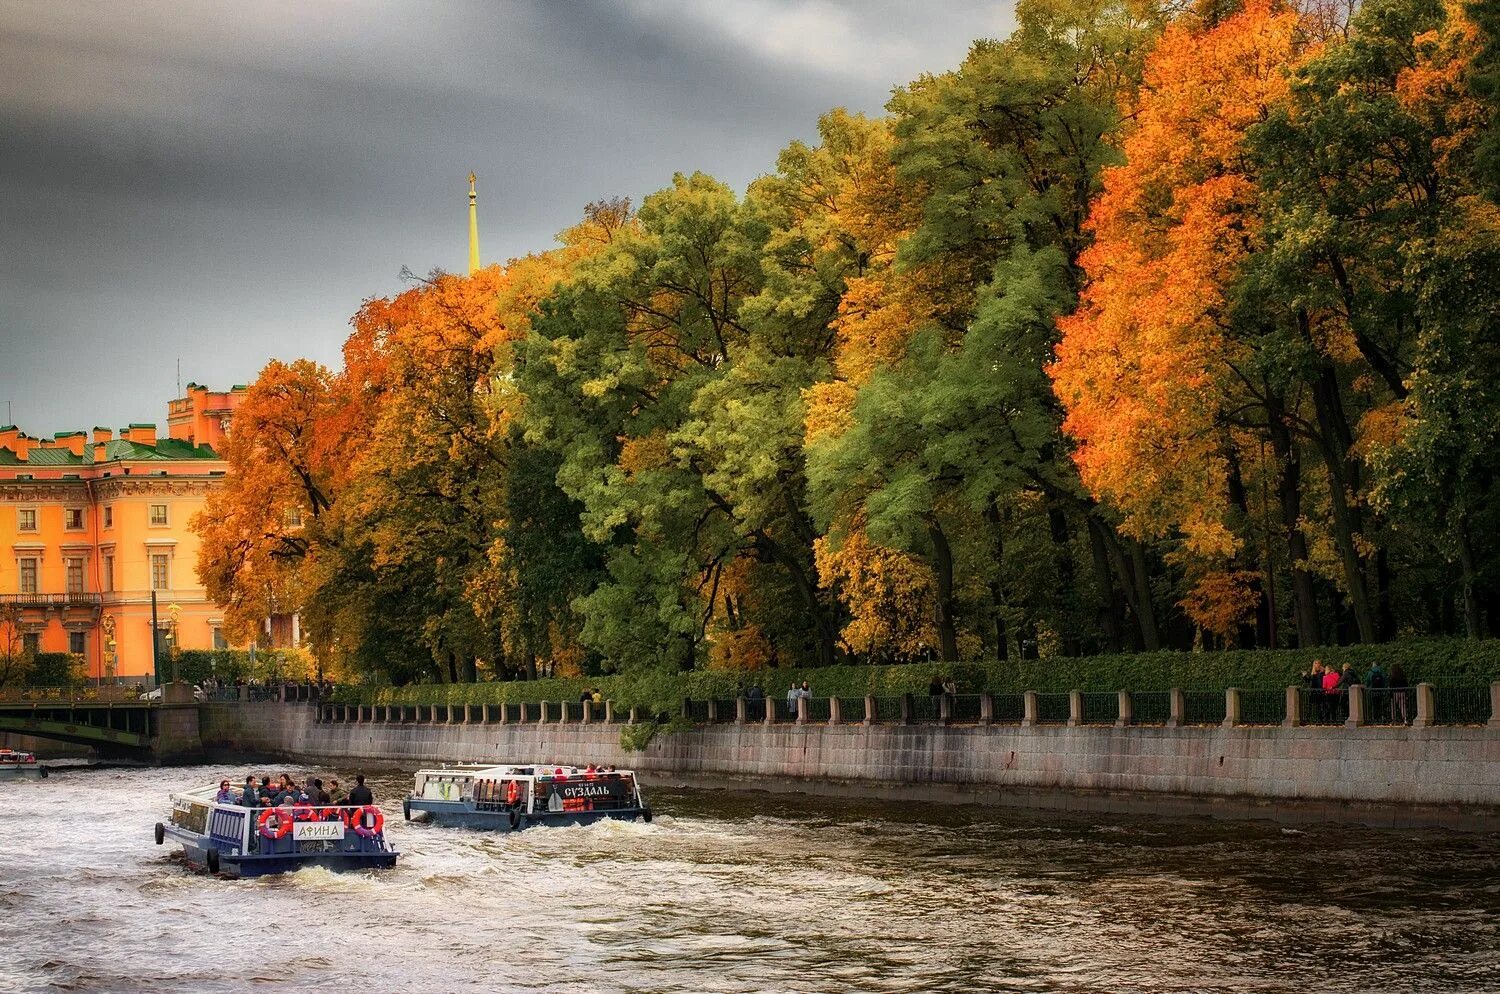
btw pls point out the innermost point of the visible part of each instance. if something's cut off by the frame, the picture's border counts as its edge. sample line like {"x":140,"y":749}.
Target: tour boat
{"x":19,"y":765}
{"x":511,"y":797}
{"x":236,"y":841}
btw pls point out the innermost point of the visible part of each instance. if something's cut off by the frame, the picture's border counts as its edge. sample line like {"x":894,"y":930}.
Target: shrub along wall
{"x":1450,"y":662}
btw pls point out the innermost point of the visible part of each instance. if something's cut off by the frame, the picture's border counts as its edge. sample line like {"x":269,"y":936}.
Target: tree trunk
{"x":823,"y":624}
{"x":1062,"y":540}
{"x":1109,"y":597}
{"x":997,"y":591}
{"x":1336,"y":443}
{"x":1136,"y":585}
{"x":1468,"y":575}
{"x":1256,"y":632}
{"x":1142,"y":578}
{"x":942,"y":564}
{"x":1289,"y":494}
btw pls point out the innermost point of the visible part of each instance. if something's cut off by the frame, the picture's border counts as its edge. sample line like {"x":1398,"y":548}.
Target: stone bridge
{"x":161,"y":731}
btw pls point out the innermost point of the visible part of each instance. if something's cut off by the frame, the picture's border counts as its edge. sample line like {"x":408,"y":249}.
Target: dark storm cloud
{"x":224,"y":183}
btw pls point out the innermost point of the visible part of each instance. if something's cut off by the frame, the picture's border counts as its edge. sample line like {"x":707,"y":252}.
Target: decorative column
{"x":1231,"y":707}
{"x":906,"y":709}
{"x":802,"y":710}
{"x":1356,"y":707}
{"x":739,"y":710}
{"x":871,"y":709}
{"x":1075,"y":708}
{"x":1293,"y":708}
{"x":1028,"y":709}
{"x":609,"y":712}
{"x":1426,"y":706}
{"x":1494,"y":722}
{"x":835,"y":711}
{"x":713,"y":711}
{"x":986,"y":709}
{"x":1179,"y":708}
{"x":1126,"y":710}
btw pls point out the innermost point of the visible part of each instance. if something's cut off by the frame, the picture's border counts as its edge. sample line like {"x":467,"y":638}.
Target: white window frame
{"x":166,"y":558}
{"x":35,"y":520}
{"x":166,"y":516}
{"x":109,"y":515}
{"x":36,"y":574}
{"x":83,"y":521}
{"x":82,"y":637}
{"x":83,"y":574}
{"x":107,"y":572}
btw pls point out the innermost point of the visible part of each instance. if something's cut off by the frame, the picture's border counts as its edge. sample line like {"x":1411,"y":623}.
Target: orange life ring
{"x":281,"y":827}
{"x":355,"y":819}
{"x":513,"y":792}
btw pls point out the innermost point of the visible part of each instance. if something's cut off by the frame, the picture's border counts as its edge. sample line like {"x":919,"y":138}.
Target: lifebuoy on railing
{"x":512,"y":792}
{"x":366,"y":822}
{"x":275,"y":823}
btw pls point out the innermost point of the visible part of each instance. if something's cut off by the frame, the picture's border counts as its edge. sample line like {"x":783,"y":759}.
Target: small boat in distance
{"x":237,"y":841}
{"x":20,"y":765}
{"x":506,"y":798}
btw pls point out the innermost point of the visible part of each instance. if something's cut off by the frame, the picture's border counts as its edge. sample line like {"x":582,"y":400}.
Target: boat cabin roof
{"x":520,"y":771}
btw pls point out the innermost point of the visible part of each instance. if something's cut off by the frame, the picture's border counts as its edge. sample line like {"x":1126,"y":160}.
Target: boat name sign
{"x":304,"y":831}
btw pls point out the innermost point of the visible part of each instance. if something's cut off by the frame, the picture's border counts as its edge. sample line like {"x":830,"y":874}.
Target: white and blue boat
{"x":235,"y":841}
{"x":507,"y":798}
{"x":20,"y":766}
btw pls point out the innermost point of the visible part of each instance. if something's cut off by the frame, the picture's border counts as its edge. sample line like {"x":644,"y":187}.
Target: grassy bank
{"x":1449,"y":662}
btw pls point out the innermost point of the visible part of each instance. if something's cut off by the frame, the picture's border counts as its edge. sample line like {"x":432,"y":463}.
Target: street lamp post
{"x":175,"y":649}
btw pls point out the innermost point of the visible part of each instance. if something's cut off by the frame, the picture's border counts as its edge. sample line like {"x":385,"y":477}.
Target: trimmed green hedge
{"x":1451,"y":662}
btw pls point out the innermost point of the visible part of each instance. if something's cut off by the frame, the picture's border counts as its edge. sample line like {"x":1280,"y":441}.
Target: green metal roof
{"x":165,"y":450}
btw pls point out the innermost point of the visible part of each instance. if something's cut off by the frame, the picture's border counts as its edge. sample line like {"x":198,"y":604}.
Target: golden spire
{"x":473,"y":227}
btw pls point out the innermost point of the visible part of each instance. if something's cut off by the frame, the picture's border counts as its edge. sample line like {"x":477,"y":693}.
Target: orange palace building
{"x":92,"y":524}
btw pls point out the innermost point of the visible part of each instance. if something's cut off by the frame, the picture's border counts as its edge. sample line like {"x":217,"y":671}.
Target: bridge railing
{"x":1419,"y":706}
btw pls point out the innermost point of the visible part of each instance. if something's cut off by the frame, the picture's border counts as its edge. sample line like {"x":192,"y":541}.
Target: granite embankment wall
{"x":1448,"y":775}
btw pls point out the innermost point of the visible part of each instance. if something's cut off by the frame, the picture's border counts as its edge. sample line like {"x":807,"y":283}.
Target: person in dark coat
{"x":250,"y":796}
{"x":361,"y":794}
{"x":1399,"y":694}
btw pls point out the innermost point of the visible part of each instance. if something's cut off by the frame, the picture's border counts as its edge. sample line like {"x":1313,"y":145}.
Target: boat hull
{"x":203,"y":853}
{"x":460,"y":814}
{"x":23,"y":771}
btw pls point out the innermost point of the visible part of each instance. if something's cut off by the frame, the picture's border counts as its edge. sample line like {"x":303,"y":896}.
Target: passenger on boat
{"x":336,"y":793}
{"x":249,"y":795}
{"x":225,"y":795}
{"x":266,"y":794}
{"x":361,"y":794}
{"x":317,"y":794}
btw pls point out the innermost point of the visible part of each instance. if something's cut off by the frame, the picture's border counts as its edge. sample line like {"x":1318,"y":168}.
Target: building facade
{"x":91,"y":525}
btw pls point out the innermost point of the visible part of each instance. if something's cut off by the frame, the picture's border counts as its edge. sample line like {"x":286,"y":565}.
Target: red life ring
{"x":355,"y":819}
{"x":277,"y":830}
{"x":513,"y":792}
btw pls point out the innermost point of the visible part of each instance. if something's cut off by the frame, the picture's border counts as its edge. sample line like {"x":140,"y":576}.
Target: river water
{"x":745,"y":891}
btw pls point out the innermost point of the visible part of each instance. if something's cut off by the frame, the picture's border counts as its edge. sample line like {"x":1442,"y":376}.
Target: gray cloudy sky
{"x":226,"y":182}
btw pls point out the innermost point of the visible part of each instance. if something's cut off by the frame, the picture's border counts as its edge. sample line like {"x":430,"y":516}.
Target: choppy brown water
{"x":747,"y":892}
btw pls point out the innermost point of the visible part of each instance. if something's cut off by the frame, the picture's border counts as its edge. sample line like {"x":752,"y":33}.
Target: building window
{"x":109,"y":516}
{"x":31,"y":643}
{"x":109,"y":573}
{"x":74,"y":569}
{"x":158,"y":514}
{"x":76,"y":643}
{"x":26,"y":519}
{"x":293,"y":517}
{"x":73,"y":519}
{"x":159,"y":578}
{"x":219,"y":641}
{"x":28,"y":576}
